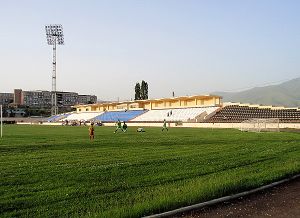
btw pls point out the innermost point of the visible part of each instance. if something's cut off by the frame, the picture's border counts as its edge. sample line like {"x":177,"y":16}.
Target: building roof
{"x":151,"y":100}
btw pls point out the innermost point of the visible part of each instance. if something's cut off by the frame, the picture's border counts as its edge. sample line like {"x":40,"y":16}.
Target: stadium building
{"x":154,"y":104}
{"x":186,"y":111}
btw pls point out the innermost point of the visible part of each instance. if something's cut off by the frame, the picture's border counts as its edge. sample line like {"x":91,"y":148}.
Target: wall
{"x":207,"y":125}
{"x":235,"y":125}
{"x":191,"y":125}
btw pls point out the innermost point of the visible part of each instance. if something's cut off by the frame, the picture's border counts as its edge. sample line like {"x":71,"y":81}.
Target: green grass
{"x":58,"y":172}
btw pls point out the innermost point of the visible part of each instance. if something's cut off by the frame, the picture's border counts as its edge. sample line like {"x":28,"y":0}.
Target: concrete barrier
{"x":191,"y":125}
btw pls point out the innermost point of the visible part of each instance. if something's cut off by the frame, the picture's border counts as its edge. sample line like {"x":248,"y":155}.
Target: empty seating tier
{"x":112,"y":116}
{"x":237,"y":114}
{"x":83,"y":116}
{"x":182,"y":114}
{"x":58,"y":117}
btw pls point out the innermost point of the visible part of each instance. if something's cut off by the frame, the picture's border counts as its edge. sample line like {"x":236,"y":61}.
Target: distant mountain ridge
{"x":285,"y":94}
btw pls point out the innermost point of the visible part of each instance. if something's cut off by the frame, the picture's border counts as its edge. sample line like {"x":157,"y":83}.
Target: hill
{"x":284,"y":94}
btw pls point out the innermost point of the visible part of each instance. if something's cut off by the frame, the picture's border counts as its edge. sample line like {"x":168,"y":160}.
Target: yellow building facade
{"x":152,"y":104}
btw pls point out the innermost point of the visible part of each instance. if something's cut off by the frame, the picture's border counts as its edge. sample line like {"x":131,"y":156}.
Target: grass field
{"x":57,"y":171}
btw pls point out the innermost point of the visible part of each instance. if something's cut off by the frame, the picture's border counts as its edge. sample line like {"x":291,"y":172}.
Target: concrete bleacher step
{"x":177,"y":114}
{"x":112,"y":116}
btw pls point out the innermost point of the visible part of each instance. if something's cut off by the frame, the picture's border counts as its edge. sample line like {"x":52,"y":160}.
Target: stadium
{"x":188,"y":111}
{"x":64,"y":152}
{"x":53,"y":169}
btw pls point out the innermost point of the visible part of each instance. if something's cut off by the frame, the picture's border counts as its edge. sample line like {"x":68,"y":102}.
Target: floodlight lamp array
{"x":54,"y":32}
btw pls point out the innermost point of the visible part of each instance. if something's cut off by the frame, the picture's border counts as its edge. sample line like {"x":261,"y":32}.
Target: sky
{"x":191,"y":47}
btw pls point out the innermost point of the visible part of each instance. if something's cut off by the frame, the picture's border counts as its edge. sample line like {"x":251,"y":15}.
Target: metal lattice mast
{"x":54,"y":33}
{"x":54,"y":109}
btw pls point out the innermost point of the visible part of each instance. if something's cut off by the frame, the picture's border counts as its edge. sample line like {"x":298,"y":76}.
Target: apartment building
{"x":42,"y":98}
{"x":6,"y":98}
{"x":87,"y":99}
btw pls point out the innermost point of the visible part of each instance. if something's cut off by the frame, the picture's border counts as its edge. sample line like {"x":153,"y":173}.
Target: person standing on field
{"x":92,"y":132}
{"x":119,"y":126}
{"x":164,"y":126}
{"x":124,"y":127}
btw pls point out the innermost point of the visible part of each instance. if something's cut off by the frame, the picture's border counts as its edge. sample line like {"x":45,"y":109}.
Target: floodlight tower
{"x":54,"y":33}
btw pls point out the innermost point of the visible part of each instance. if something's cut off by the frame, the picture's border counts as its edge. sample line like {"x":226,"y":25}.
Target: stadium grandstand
{"x":111,"y":116}
{"x":240,"y":113}
{"x":82,"y":116}
{"x":201,"y":109}
{"x":177,"y":114}
{"x":58,"y":117}
{"x":184,"y":109}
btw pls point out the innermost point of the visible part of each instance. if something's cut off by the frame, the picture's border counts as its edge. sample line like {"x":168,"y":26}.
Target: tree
{"x":143,"y":86}
{"x":146,"y":90}
{"x":137,"y":91}
{"x":4,"y":111}
{"x":141,"y":90}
